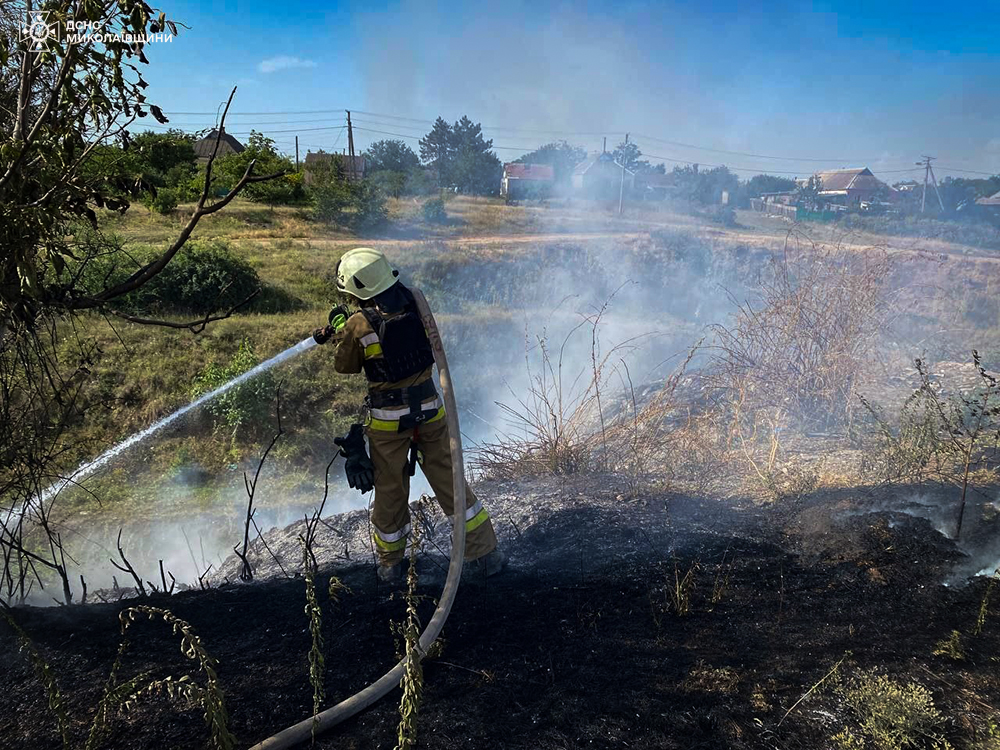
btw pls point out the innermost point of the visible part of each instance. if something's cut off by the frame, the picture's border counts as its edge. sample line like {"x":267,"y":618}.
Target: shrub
{"x":891,"y":714}
{"x":358,"y":205}
{"x":433,"y":211}
{"x":205,"y":276}
{"x":370,"y":208}
{"x":164,"y":201}
{"x":247,"y":404}
{"x":952,"y":439}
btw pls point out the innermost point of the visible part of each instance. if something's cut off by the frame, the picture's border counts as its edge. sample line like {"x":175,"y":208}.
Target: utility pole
{"x":929,"y":174}
{"x":296,"y":153}
{"x":350,"y":145}
{"x":621,"y":188}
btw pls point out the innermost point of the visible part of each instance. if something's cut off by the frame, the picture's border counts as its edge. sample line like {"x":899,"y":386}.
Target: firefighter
{"x":405,"y":424}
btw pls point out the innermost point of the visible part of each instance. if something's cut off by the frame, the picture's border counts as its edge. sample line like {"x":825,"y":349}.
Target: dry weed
{"x":803,"y":344}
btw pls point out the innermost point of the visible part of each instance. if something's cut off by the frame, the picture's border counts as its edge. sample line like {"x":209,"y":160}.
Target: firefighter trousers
{"x":391,"y":509}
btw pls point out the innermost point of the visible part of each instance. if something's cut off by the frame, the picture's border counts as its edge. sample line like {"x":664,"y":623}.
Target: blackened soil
{"x":582,"y":650}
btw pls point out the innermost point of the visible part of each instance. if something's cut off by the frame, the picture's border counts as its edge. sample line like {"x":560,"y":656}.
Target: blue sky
{"x":822,"y":84}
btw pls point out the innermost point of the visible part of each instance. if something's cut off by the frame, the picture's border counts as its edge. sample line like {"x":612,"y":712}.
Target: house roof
{"x":993,"y":200}
{"x":206,"y":145}
{"x":839,"y":181}
{"x":597,"y":157}
{"x":541,"y":172}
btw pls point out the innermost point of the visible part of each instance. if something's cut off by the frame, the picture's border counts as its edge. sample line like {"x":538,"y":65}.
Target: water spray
{"x":90,"y":467}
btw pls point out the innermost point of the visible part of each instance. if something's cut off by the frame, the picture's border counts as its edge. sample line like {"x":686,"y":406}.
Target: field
{"x":695,"y":545}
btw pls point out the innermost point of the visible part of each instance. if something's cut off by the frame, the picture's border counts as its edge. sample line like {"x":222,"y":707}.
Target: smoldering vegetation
{"x":676,"y":360}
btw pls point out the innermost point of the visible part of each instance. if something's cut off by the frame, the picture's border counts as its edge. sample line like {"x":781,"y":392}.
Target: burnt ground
{"x":577,"y":644}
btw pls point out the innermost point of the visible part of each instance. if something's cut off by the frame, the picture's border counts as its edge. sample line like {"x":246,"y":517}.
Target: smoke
{"x":708,"y":77}
{"x":979,"y":540}
{"x":619,"y":299}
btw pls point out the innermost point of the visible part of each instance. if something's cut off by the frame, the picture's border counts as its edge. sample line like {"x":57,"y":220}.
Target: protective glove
{"x":322,"y":335}
{"x":358,"y":466}
{"x":338,"y":318}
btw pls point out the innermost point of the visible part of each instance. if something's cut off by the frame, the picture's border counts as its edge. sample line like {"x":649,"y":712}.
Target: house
{"x":992,"y":202}
{"x":353,"y":168}
{"x":653,"y":186}
{"x":600,"y":176}
{"x":850,"y":187}
{"x":527,"y":181}
{"x":227,"y":145}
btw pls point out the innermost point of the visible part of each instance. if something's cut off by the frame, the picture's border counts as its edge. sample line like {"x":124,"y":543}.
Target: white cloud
{"x":283,"y":62}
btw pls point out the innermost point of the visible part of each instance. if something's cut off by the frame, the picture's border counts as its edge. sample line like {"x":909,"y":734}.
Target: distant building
{"x":352,"y":169}
{"x":600,"y":176}
{"x":652,"y":186}
{"x":527,"y":181}
{"x":992,"y":202}
{"x":227,"y":145}
{"x":850,"y":187}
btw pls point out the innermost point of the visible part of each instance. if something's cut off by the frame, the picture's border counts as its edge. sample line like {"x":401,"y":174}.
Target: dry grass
{"x":804,"y":343}
{"x":953,"y":439}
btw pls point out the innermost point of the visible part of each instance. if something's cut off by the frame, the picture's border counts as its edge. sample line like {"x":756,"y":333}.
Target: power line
{"x":744,"y":153}
{"x":968,"y":171}
{"x":244,"y":114}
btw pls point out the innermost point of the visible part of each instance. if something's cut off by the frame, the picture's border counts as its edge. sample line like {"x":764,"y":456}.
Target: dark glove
{"x":359,"y":467}
{"x":322,"y":335}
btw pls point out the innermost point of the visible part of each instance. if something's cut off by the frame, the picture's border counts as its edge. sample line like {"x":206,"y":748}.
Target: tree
{"x":437,"y":148}
{"x":259,"y":150}
{"x":158,"y":153}
{"x":392,"y":166}
{"x":958,"y":192}
{"x":390,"y":156}
{"x":560,"y":155}
{"x":705,"y":187}
{"x":629,"y":153}
{"x":809,"y":194}
{"x":61,"y":102}
{"x":461,"y":156}
{"x":759,"y":184}
{"x":358,"y":204}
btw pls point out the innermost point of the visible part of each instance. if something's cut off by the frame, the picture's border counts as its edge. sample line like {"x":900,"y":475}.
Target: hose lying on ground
{"x":303,"y":731}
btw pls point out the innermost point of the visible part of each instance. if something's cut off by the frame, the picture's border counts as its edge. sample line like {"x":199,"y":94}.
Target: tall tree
{"x":475,"y":168}
{"x":390,"y":156}
{"x":437,"y":147}
{"x":628,"y":154}
{"x":461,"y":156}
{"x":160,"y":152}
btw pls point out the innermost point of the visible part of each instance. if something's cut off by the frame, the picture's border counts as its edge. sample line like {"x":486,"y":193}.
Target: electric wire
{"x":401,"y":120}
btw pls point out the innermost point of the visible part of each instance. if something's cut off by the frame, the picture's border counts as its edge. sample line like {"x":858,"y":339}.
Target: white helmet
{"x":365,"y":273}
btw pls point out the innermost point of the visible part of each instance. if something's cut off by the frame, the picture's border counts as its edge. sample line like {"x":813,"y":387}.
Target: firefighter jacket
{"x":396,"y":359}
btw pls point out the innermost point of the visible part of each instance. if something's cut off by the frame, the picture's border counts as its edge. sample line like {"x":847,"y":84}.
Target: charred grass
{"x":604,"y":671}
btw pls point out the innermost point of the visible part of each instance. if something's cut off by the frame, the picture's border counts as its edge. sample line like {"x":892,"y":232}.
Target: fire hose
{"x":332,"y":716}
